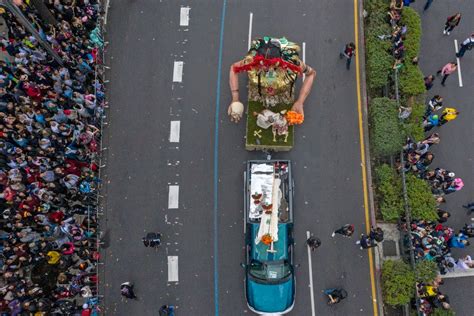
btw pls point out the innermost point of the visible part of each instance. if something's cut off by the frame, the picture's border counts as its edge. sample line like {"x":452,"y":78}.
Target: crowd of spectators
{"x":50,"y":118}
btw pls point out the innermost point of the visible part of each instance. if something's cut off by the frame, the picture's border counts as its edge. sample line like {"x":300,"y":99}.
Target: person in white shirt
{"x":465,"y":263}
{"x":468,"y":44}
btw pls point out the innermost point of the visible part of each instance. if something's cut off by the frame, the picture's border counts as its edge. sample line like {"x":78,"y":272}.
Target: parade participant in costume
{"x":273,"y":66}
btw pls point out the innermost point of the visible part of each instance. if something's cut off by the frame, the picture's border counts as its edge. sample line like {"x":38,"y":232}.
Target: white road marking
{"x":310,"y":267}
{"x":250,"y":29}
{"x":173,"y":269}
{"x":458,"y":62}
{"x":173,"y":197}
{"x":304,"y":57}
{"x":178,"y":71}
{"x":174,"y":131}
{"x":107,"y":4}
{"x":184,"y":16}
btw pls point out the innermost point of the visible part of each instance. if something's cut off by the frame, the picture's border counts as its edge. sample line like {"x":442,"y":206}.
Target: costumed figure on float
{"x":273,"y":66}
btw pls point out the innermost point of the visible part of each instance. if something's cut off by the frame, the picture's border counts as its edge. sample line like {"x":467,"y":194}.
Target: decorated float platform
{"x":262,"y":139}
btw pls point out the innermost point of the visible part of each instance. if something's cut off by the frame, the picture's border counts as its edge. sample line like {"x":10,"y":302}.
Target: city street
{"x":456,"y":149}
{"x":203,"y":224}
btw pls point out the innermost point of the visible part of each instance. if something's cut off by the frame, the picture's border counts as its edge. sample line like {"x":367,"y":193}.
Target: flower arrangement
{"x":293,"y":118}
{"x":267,"y":239}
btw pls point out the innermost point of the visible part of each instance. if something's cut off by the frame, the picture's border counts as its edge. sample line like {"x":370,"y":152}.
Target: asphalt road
{"x":456,"y":149}
{"x":145,"y":39}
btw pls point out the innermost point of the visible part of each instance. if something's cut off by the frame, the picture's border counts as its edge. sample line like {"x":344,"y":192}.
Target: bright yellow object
{"x":293,"y":118}
{"x":53,"y":257}
{"x":450,"y":114}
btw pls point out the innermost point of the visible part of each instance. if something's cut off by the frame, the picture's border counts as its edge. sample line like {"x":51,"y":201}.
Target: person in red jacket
{"x":451,"y":23}
{"x":348,"y":52}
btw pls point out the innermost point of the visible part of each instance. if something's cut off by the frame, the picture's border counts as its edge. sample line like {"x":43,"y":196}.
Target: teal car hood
{"x":270,"y":298}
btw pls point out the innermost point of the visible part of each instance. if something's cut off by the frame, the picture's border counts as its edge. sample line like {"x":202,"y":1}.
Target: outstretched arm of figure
{"x":234,"y":114}
{"x":305,"y":89}
{"x":234,"y":81}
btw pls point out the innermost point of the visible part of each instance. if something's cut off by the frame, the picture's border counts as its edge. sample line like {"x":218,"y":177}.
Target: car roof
{"x":259,"y":251}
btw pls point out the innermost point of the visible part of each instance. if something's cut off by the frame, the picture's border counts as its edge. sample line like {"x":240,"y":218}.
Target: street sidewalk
{"x":456,"y":149}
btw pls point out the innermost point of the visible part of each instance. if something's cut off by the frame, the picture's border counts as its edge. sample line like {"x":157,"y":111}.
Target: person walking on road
{"x":449,"y":114}
{"x":126,"y":289}
{"x":335,"y":295}
{"x":346,"y":230}
{"x":427,"y":5}
{"x":152,"y":240}
{"x":313,"y":242}
{"x":451,"y":23}
{"x":448,"y":69}
{"x":348,"y":52}
{"x":365,"y":242}
{"x":468,"y":44}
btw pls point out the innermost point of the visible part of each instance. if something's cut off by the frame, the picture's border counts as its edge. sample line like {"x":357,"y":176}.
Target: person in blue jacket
{"x":459,"y":241}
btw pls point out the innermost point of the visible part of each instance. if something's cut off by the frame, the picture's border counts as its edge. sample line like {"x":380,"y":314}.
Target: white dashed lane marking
{"x":184,"y":16}
{"x":250,"y":28}
{"x":174,"y":131}
{"x":458,"y":61}
{"x":173,"y":269}
{"x":173,"y":197}
{"x":178,"y":71}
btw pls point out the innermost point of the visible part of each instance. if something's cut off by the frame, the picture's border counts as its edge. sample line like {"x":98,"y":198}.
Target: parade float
{"x":273,"y":66}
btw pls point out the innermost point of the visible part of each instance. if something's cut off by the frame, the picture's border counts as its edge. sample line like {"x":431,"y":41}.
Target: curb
{"x":368,"y":159}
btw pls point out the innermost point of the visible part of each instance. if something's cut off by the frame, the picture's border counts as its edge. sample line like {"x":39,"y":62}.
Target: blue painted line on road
{"x":216,"y":160}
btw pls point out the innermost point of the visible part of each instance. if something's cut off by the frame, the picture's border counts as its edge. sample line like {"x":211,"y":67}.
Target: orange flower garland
{"x":267,"y":239}
{"x":293,"y":118}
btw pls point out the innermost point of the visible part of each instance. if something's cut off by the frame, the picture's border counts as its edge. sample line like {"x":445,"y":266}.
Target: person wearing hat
{"x":126,"y":289}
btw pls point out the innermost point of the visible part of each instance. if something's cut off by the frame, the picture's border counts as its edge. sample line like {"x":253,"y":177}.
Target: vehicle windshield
{"x":270,"y":271}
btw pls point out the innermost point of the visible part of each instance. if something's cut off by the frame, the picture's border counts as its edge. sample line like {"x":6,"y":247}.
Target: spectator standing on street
{"x":449,"y":114}
{"x":435,"y":104}
{"x":335,"y":295}
{"x":448,"y":69}
{"x":348,"y":52}
{"x":166,"y":310}
{"x":313,"y":242}
{"x":468,"y":44}
{"x":429,"y":82}
{"x":152,"y":240}
{"x":365,"y":242}
{"x":126,"y":289}
{"x":427,"y":5}
{"x":430,"y":122}
{"x":376,"y":234}
{"x":346,"y":230}
{"x":443,"y":216}
{"x":451,"y":23}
